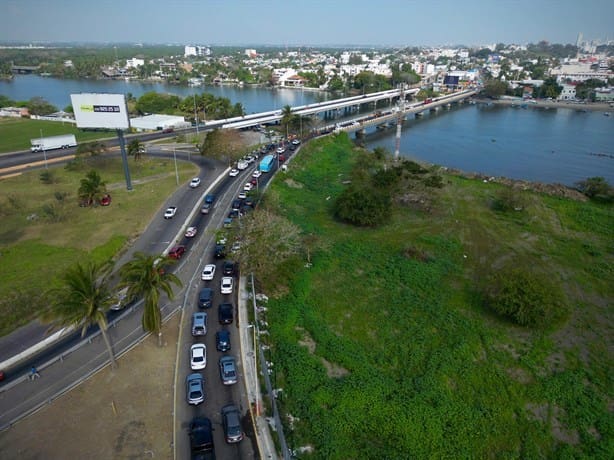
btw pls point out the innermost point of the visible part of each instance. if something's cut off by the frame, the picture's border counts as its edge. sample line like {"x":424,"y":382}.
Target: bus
{"x":266,"y":164}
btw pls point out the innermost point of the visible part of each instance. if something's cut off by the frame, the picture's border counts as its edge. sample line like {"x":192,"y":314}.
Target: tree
{"x":136,"y":149}
{"x":495,"y":88}
{"x":528,"y":299}
{"x":596,"y":188}
{"x":82,"y":300}
{"x":39,"y":106}
{"x":93,"y":148}
{"x":145,"y":276}
{"x":286,"y":117}
{"x":267,"y":240}
{"x":363,"y":206}
{"x":223,"y":144}
{"x":92,"y":188}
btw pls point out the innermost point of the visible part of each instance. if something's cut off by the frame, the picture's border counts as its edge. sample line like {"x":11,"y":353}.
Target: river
{"x":554,"y":146}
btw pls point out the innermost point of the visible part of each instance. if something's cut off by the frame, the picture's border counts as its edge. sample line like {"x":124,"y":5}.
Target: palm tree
{"x":286,"y":117}
{"x":146,"y":277}
{"x":83,"y":300}
{"x":135,"y":148}
{"x":92,"y":188}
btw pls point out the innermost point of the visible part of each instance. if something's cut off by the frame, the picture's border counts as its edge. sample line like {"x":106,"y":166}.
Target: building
{"x":568,"y":93}
{"x":158,"y":122}
{"x":196,"y":50}
{"x":251,"y":53}
{"x":604,"y":94}
{"x":578,"y":73}
{"x":134,"y":63}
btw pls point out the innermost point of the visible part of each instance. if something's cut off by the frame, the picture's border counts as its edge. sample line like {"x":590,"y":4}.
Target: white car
{"x":242,"y":195}
{"x":226,"y":285}
{"x":248,"y":187}
{"x":198,"y":356}
{"x":208,"y":272}
{"x":191,"y":232}
{"x":296,"y":142}
{"x":256,"y":174}
{"x":195,"y":182}
{"x":280,"y":150}
{"x":170,"y":212}
{"x":233,"y":172}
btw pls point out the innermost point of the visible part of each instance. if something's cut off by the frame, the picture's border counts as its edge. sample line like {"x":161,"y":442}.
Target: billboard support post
{"x":122,"y":147}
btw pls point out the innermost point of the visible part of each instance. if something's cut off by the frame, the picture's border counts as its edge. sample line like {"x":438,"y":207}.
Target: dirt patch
{"x":551,"y":414}
{"x":292,"y":183}
{"x":520,"y":375}
{"x":307,"y":341}
{"x":333,"y":370}
{"x":120,"y":414}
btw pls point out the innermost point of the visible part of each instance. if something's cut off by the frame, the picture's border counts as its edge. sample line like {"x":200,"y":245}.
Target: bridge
{"x":275,"y":116}
{"x":24,"y":68}
{"x":401,"y":111}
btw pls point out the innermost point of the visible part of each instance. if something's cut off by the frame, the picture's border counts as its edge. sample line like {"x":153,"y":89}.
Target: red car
{"x":105,"y":200}
{"x":176,"y":252}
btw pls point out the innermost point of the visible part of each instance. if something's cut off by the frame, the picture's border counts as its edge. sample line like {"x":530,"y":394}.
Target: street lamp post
{"x":176,"y":172}
{"x":195,"y":114}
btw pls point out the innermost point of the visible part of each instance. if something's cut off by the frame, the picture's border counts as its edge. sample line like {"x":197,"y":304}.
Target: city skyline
{"x":313,"y":23}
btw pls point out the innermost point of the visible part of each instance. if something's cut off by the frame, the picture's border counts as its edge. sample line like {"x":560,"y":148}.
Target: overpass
{"x":275,"y":116}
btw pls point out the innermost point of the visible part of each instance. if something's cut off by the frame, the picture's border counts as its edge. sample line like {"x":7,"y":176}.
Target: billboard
{"x":100,"y":110}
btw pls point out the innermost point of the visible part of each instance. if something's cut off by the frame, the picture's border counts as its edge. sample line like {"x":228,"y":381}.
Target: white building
{"x":568,"y":93}
{"x":134,"y":63}
{"x":578,"y":73}
{"x":250,"y":53}
{"x":196,"y":50}
{"x":158,"y":122}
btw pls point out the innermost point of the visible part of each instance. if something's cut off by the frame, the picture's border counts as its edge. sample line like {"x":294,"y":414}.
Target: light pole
{"x":195,"y":114}
{"x":43,"y":147}
{"x":176,"y":172}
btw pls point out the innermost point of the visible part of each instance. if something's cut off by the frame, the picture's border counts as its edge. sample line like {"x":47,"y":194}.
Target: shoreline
{"x":579,"y":106}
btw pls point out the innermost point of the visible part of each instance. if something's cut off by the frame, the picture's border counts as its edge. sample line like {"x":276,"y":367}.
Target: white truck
{"x":63,"y":141}
{"x":242,"y":164}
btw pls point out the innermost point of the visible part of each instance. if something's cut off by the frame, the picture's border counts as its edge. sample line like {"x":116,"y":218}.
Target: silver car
{"x":228,"y":370}
{"x":195,"y":388}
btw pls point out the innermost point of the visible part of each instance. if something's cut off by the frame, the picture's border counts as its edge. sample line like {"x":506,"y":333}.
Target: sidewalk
{"x":266,"y":446}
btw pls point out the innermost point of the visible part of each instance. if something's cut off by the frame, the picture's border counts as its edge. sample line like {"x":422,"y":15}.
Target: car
{"x":296,"y":142}
{"x":250,"y":159}
{"x":204,"y":297}
{"x":281,"y":158}
{"x":227,"y":223}
{"x":236,"y":246}
{"x":176,"y":252}
{"x":105,"y":200}
{"x":225,"y":312}
{"x":234,"y":213}
{"x":195,"y":182}
{"x":242,"y":195}
{"x":248,"y":187}
{"x":228,"y":268}
{"x":234,"y":172}
{"x":280,"y":150}
{"x":221,"y":238}
{"x":249,"y":202}
{"x":254,"y":182}
{"x":195,"y":388}
{"x":210,"y":198}
{"x":220,"y":251}
{"x":167,"y":130}
{"x":236,"y":205}
{"x":222,"y":340}
{"x":120,"y":300}
{"x":191,"y":232}
{"x":208,"y":272}
{"x":231,"y":419}
{"x":228,"y":370}
{"x":226,"y":285}
{"x":292,"y":147}
{"x":170,"y":212}
{"x":198,"y":356}
{"x":205,"y":208}
{"x":257,"y":173}
{"x":201,"y":437}
{"x":199,"y":323}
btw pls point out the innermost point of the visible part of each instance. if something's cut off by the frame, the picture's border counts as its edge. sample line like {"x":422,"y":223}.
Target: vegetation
{"x":37,"y":248}
{"x":83,"y":300}
{"x":597,"y":188}
{"x":145,"y":276}
{"x":384,"y":346}
{"x":92,"y":188}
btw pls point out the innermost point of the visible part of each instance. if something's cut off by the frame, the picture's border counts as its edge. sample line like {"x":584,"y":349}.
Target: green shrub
{"x":597,"y":188}
{"x":528,"y":299}
{"x":364,"y":206}
{"x":509,"y":199}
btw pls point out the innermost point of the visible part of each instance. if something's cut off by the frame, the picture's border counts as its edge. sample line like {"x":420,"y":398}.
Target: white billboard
{"x":100,"y":110}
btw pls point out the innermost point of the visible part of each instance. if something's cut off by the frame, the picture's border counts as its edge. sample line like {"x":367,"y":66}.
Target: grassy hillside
{"x":383,"y":347}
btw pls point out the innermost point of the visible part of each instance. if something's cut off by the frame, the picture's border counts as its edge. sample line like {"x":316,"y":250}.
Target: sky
{"x":306,"y":22}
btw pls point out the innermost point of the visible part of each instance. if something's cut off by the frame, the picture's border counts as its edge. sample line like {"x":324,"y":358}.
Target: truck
{"x":63,"y":141}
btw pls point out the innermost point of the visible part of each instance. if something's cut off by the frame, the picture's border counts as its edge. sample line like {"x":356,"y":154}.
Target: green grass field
{"x":35,"y":248}
{"x":384,"y":355}
{"x":15,"y":133}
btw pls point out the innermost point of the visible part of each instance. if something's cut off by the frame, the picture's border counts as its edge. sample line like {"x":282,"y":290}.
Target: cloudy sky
{"x":306,"y":22}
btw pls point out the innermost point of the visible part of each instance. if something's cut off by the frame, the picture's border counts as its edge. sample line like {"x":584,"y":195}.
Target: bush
{"x":47,"y":177}
{"x":528,"y":299}
{"x":509,"y":199}
{"x":596,"y":188}
{"x":365,"y":206}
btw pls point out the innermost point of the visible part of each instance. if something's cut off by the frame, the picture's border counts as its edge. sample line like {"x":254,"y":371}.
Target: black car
{"x":229,"y":268}
{"x":201,"y":437}
{"x":210,"y":198}
{"x":220,"y":251}
{"x":222,"y":340}
{"x":204,"y":297}
{"x":236,"y":205}
{"x":231,"y":419}
{"x":225,"y":313}
{"x":249,"y":202}
{"x":234,"y":213}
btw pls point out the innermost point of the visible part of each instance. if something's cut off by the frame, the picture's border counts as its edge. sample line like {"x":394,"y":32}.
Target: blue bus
{"x":266,"y":164}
